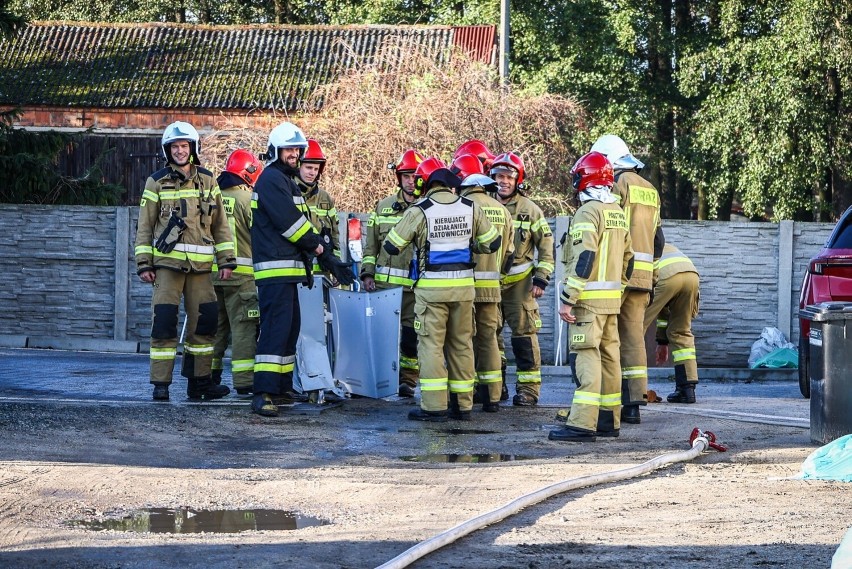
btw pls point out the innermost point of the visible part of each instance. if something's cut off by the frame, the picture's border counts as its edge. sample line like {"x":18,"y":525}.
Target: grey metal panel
{"x":313,"y":367}
{"x":365,"y":332}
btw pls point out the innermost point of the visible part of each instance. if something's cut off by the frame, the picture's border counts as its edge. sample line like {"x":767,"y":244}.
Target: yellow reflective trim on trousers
{"x":144,"y":250}
{"x":198,"y":349}
{"x":638,"y":372}
{"x":459,"y":385}
{"x":587,"y":398}
{"x":408,"y":363}
{"x":163,"y":353}
{"x":445,"y":283}
{"x":487,"y":284}
{"x":272,"y":273}
{"x":683,"y":355}
{"x":533,"y":376}
{"x":216,"y":363}
{"x":274,"y":368}
{"x":662,"y":323}
{"x":242,"y":365}
{"x":489,"y":376}
{"x":610,"y":399}
{"x":438,"y":384}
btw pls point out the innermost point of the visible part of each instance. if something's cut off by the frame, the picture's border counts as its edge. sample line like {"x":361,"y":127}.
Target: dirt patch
{"x":78,"y":461}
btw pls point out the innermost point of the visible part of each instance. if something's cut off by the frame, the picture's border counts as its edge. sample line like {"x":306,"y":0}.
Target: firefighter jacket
{"x":321,"y":212}
{"x":641,"y":204}
{"x":599,"y":263}
{"x":377,"y":263}
{"x":671,"y":263}
{"x":197,"y":201}
{"x":490,"y":268}
{"x":236,"y":199}
{"x":282,"y":237}
{"x":447,"y":230}
{"x":532,"y":234}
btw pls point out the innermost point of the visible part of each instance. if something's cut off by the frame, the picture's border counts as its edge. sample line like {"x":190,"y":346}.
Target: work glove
{"x":171,"y":234}
{"x":340,"y":270}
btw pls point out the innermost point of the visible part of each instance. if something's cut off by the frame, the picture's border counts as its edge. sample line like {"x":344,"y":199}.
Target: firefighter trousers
{"x":520,"y":310}
{"x":596,"y":366}
{"x":678,"y":293}
{"x":445,"y":350}
{"x":634,"y":360}
{"x":486,"y":350}
{"x":280,"y":321}
{"x":238,"y":322}
{"x":199,"y":300}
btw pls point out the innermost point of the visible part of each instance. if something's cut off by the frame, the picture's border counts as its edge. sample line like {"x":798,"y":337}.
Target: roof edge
{"x":85,"y":24}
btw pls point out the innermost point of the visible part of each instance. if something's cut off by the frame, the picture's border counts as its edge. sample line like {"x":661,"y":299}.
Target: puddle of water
{"x":465,"y":458}
{"x":185,"y":520}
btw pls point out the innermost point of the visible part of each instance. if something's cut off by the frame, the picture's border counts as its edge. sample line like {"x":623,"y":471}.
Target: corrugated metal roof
{"x":477,"y":41}
{"x":207,"y":67}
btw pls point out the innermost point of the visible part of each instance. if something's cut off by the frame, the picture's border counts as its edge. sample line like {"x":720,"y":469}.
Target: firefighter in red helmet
{"x":237,"y":297}
{"x":528,"y":276}
{"x":477,"y":148}
{"x":320,"y":204}
{"x":598,"y":264}
{"x":381,"y":270}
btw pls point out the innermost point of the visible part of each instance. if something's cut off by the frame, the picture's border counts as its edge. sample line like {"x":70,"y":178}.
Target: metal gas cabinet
{"x":830,"y":369}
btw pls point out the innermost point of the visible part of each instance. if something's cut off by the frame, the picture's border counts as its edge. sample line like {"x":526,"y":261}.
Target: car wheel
{"x":804,"y":373}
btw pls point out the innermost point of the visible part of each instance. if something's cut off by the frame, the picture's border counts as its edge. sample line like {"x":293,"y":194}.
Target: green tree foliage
{"x":774,"y":127}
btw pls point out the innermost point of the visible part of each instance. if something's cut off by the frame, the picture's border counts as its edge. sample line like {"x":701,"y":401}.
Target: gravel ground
{"x":79,"y":446}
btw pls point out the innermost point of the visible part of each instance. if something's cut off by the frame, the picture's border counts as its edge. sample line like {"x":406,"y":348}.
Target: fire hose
{"x":700,"y":441}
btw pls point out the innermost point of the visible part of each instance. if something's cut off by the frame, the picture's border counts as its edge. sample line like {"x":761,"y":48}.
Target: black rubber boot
{"x":455,"y":412}
{"x":524,"y":400}
{"x":262,"y":405}
{"x":161,"y":392}
{"x":572,"y":434}
{"x":504,"y":394}
{"x":630,"y":414}
{"x":203,"y":389}
{"x":606,"y":424}
{"x":216,"y":376}
{"x":431,"y":416}
{"x":480,"y":394}
{"x":683,"y":394}
{"x":489,"y":407}
{"x":406,"y":390}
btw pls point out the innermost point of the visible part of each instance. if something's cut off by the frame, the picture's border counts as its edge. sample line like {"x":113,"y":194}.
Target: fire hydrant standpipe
{"x":700,"y":442}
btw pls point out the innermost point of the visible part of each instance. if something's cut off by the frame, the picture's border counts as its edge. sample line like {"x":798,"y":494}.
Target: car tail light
{"x":821,"y":265}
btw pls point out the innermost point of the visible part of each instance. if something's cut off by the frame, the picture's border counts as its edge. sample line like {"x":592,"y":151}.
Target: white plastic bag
{"x":771,"y":339}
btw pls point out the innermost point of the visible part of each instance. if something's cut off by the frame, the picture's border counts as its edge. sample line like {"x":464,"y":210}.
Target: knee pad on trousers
{"x":572,"y":361}
{"x":208,"y":315}
{"x":523,"y":348}
{"x":408,"y":342}
{"x":165,"y":322}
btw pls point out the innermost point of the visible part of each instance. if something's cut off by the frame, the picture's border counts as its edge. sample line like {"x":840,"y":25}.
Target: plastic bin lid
{"x":825,"y":311}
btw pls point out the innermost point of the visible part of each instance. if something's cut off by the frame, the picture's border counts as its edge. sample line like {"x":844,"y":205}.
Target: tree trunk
{"x":661,"y":53}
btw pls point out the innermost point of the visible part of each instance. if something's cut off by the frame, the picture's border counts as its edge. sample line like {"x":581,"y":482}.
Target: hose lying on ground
{"x":700,"y":443}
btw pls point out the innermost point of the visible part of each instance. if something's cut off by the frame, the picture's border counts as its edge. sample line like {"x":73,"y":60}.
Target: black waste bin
{"x":830,"y":369}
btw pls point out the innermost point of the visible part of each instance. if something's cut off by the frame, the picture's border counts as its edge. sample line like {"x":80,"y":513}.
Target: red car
{"x":829,"y":277}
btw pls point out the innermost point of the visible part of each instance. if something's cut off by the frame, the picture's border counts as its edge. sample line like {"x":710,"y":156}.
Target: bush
{"x":403,"y":99}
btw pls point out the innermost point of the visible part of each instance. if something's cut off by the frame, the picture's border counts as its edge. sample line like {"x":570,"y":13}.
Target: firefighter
{"x":641,"y":204}
{"x":237,"y":296}
{"x":381,"y":270}
{"x":477,"y":148}
{"x":674,"y":306}
{"x":598,"y":264}
{"x":321,"y":210}
{"x":282,"y":241}
{"x":488,"y":271}
{"x":447,"y":230}
{"x":528,"y":277}
{"x":182,"y":231}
